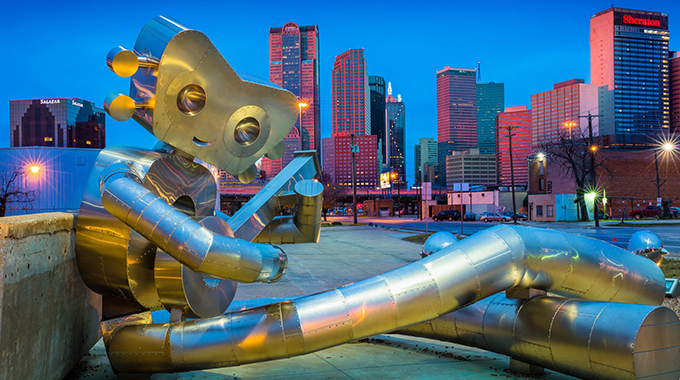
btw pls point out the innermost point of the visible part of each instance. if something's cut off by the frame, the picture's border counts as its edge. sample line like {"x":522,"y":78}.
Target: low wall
{"x":49,"y":319}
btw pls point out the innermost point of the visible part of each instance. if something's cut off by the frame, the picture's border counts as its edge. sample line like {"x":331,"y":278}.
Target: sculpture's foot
{"x":523,"y":368}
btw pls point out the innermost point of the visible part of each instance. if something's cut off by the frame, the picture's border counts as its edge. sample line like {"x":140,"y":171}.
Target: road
{"x":616,"y":235}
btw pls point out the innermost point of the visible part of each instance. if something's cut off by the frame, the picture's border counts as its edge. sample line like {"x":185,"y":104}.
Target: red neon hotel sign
{"x":628,"y":19}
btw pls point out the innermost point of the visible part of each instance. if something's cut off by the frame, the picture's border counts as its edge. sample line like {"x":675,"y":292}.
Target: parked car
{"x":447,"y":215}
{"x":494,"y":217}
{"x":602,"y":215}
{"x":519,"y":215}
{"x":651,"y":211}
{"x":469,"y":217}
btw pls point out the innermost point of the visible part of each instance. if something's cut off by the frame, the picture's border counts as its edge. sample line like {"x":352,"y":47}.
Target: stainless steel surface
{"x":193,"y":99}
{"x":177,"y":234}
{"x":586,"y":339}
{"x":647,"y":244}
{"x":262,"y":210}
{"x":484,"y":264}
{"x":438,"y":241}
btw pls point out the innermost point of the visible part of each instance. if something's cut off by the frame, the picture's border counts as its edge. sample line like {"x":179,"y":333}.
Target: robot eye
{"x":247,"y":131}
{"x":191,"y":99}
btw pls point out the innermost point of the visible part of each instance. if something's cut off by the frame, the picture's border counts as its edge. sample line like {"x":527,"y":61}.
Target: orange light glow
{"x":34,"y":169}
{"x":302,"y":104}
{"x":593,"y":148}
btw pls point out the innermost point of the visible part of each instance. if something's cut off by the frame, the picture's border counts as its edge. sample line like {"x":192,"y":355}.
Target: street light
{"x":395,"y":177}
{"x":301,"y":105}
{"x":34,"y":169}
{"x":570,"y":125}
{"x":664,"y":147}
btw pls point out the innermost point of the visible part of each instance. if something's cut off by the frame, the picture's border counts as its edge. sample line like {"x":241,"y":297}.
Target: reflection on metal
{"x":196,"y":102}
{"x":647,"y":244}
{"x":437,"y":242}
{"x":257,"y":220}
{"x":482,"y":265}
{"x":586,"y":339}
{"x":148,"y":233}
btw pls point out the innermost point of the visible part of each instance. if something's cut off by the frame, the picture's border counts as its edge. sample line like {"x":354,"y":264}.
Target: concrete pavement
{"x":344,"y":255}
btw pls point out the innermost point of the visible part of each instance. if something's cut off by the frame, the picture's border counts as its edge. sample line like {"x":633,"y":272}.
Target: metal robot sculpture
{"x":148,"y":234}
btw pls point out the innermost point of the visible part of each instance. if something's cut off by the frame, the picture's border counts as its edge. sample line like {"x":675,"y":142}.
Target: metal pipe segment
{"x":195,"y":246}
{"x":586,"y":339}
{"x":482,"y":265}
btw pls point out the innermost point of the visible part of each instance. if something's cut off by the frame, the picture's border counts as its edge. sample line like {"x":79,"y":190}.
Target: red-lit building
{"x":351,"y":115}
{"x":294,"y":65}
{"x":337,"y":160}
{"x":675,"y":93}
{"x":351,"y":94}
{"x":456,"y":112}
{"x":563,"y":104}
{"x":520,"y":119}
{"x":271,"y":168}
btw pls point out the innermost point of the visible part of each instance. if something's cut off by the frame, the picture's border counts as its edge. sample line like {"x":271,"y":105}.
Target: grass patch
{"x":418,"y":239}
{"x":671,"y":268}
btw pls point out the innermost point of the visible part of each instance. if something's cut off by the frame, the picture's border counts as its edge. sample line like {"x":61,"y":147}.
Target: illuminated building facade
{"x":58,"y":122}
{"x":337,"y":160}
{"x":396,"y":126}
{"x":351,"y":94}
{"x":490,"y":101}
{"x":376,"y":85}
{"x":675,"y":93}
{"x":456,"y":113}
{"x":520,"y":119}
{"x":470,"y":167}
{"x":351,"y":115}
{"x":294,"y":65}
{"x":629,"y":60}
{"x":563,"y":104}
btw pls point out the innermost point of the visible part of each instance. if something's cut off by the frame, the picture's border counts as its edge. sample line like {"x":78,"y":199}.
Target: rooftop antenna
{"x":479,"y":72}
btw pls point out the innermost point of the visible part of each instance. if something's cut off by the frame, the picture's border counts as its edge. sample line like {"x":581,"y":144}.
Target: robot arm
{"x":183,"y":238}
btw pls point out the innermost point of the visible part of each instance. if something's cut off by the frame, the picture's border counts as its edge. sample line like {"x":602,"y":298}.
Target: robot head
{"x":185,"y":93}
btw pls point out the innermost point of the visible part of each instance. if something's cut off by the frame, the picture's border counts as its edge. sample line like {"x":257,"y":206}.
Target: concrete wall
{"x":49,"y":319}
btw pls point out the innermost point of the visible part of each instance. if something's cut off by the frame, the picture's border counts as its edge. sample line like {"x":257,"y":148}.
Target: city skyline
{"x":529,"y":47}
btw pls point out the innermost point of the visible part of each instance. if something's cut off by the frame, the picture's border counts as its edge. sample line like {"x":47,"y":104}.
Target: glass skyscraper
{"x":294,"y":65}
{"x":396,"y":120}
{"x":456,"y":114}
{"x":58,"y":122}
{"x":629,"y":60}
{"x":490,"y":102}
{"x":377,"y":87}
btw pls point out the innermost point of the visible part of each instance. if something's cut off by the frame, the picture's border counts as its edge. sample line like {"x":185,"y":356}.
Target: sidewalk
{"x":344,"y":255}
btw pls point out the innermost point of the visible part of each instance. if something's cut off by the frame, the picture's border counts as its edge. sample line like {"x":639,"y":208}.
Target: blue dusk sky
{"x":58,"y":48}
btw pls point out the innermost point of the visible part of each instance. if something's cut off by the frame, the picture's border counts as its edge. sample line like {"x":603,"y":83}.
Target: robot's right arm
{"x":183,"y":238}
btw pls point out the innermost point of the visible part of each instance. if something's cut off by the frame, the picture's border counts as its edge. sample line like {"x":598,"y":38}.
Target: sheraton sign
{"x":628,"y":19}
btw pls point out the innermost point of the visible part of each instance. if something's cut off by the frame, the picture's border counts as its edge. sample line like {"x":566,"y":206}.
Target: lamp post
{"x":301,"y":105}
{"x":592,"y":149}
{"x":665,"y":148}
{"x":570,"y":125}
{"x":512,"y":172}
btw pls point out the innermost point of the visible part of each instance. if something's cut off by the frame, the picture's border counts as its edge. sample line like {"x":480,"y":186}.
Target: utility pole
{"x":592,"y":148}
{"x":512,"y":172}
{"x":354,"y":177}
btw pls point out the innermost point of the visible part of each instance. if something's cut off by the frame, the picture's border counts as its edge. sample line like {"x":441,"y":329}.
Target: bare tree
{"x":332,"y":192}
{"x":572,"y":154}
{"x":11,"y":191}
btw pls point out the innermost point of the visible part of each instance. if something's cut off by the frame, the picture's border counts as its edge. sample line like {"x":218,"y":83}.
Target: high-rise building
{"x":396,"y":125}
{"x":490,"y":102}
{"x":351,"y":116}
{"x":470,"y":167}
{"x":519,"y":119}
{"x":376,"y":85}
{"x":456,"y":113}
{"x":425,"y":153}
{"x":629,"y":60}
{"x":294,"y":65}
{"x":350,"y":94}
{"x":675,"y":92}
{"x":556,"y":113}
{"x":58,"y":122}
